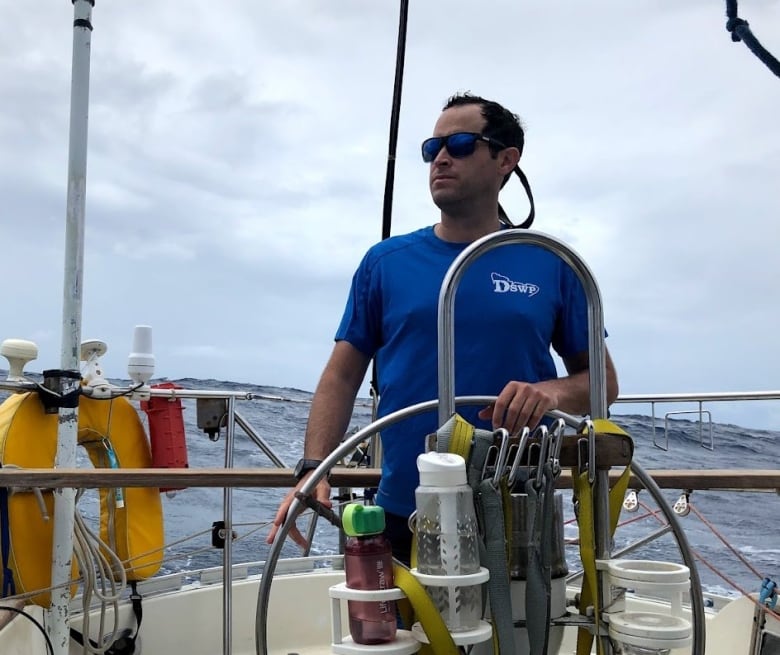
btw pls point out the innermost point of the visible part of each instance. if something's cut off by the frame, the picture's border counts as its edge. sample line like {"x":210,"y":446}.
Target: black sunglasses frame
{"x":444,"y":142}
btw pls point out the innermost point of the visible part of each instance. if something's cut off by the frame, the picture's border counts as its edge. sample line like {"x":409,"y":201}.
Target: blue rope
{"x":768,"y":595}
{"x":9,"y":589}
{"x":740,"y":31}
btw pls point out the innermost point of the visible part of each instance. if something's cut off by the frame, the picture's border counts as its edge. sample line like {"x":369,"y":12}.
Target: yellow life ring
{"x":112,"y":433}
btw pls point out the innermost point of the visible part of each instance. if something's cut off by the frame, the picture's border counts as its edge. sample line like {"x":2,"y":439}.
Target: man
{"x":512,"y":305}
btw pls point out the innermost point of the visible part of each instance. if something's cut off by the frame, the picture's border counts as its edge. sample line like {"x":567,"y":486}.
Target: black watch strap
{"x":304,"y":466}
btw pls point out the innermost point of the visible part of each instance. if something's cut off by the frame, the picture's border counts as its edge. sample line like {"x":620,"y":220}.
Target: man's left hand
{"x":520,"y":404}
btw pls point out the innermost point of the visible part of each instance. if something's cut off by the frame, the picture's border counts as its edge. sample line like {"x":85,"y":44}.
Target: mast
{"x":68,"y":377}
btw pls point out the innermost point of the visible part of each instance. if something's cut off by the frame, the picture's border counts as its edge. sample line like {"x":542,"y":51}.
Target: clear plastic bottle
{"x":368,"y":562}
{"x":447,"y":540}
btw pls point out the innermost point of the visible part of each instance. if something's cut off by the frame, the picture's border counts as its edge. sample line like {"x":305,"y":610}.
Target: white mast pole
{"x":65,"y":499}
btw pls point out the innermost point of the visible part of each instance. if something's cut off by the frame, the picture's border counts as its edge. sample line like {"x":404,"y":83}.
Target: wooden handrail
{"x":683,"y":479}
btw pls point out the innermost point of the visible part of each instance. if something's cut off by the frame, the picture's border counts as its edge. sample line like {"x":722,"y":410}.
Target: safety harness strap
{"x":458,"y":436}
{"x":588,"y":598}
{"x":585,"y":518}
{"x":491,"y":510}
{"x":439,"y":638}
{"x":538,"y":591}
{"x":455,"y":436}
{"x":492,"y":504}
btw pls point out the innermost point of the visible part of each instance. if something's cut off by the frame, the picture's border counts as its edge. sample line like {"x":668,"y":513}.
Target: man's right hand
{"x":321,"y":495}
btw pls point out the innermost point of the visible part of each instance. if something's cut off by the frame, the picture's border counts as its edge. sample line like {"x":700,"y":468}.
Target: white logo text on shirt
{"x":502,"y":284}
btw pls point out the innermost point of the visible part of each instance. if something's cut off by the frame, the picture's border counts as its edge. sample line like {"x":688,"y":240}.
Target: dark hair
{"x":506,"y":127}
{"x":501,"y":124}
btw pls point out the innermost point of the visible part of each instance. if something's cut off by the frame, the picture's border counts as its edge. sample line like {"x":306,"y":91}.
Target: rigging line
{"x":387,"y":208}
{"x":699,"y":557}
{"x":714,"y":531}
{"x":257,"y":526}
{"x":740,"y":31}
{"x":29,"y":595}
{"x":704,"y":560}
{"x":167,"y":559}
{"x":394,"y":119}
{"x":650,"y":513}
{"x":719,"y":573}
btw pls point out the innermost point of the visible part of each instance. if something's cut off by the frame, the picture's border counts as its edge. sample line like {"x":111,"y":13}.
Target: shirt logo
{"x":502,"y":284}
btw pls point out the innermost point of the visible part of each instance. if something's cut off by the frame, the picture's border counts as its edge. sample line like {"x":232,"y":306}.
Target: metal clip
{"x":587,"y":424}
{"x":556,"y":443}
{"x":502,"y":455}
{"x":518,"y":456}
{"x":491,"y":451}
{"x":499,"y":463}
{"x":544,"y":452}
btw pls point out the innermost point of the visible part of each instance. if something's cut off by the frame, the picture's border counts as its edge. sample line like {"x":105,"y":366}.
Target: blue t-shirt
{"x":512,"y":304}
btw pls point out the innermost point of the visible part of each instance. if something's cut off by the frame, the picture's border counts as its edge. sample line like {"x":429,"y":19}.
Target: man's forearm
{"x":331,"y":411}
{"x":573,"y":391}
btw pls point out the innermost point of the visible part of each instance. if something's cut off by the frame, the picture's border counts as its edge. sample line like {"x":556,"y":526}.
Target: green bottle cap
{"x":358,"y":520}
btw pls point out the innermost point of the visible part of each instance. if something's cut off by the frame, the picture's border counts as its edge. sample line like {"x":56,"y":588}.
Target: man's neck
{"x":465,"y":229}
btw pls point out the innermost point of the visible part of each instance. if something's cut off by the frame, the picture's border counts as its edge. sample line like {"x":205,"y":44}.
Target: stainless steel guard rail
{"x":446,"y":405}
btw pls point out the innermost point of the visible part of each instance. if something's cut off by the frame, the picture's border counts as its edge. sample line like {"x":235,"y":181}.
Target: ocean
{"x":747,"y":521}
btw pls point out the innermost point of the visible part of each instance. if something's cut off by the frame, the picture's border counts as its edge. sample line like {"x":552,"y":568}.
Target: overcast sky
{"x":237,"y":156}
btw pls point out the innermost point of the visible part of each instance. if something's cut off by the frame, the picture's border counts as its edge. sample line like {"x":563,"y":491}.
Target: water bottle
{"x":447,"y":542}
{"x":368,"y":562}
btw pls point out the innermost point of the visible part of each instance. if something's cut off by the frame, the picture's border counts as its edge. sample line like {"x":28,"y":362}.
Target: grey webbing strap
{"x":492,"y":515}
{"x":493,"y":553}
{"x":538,"y":588}
{"x":479,"y":452}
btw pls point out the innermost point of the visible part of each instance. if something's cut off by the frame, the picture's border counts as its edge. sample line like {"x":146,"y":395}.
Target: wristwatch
{"x":304,"y":466}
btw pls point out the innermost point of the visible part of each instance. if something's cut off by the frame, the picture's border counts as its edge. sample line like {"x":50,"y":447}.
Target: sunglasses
{"x":459,"y":144}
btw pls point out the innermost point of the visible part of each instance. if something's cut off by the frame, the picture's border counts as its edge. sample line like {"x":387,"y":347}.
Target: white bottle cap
{"x":441,"y":469}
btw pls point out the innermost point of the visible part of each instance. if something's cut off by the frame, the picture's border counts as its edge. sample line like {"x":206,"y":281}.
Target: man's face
{"x":453,"y":180}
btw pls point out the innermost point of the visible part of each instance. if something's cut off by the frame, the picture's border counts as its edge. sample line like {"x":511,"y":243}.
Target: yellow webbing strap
{"x":584,"y":493}
{"x":461,"y":437}
{"x":460,"y":441}
{"x":422,"y":606}
{"x":588,"y":558}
